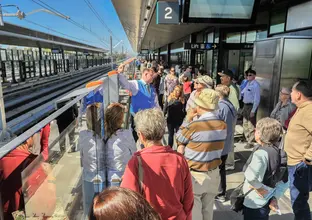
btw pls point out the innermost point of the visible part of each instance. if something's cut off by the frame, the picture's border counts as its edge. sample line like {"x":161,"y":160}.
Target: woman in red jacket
{"x":13,"y":164}
{"x":159,"y":173}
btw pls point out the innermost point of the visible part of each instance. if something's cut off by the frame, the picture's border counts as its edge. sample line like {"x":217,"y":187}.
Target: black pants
{"x":134,"y":133}
{"x":160,"y":101}
{"x":70,"y":131}
{"x":172,"y":128}
{"x":187,"y":96}
{"x":257,"y":214}
{"x":222,"y":185}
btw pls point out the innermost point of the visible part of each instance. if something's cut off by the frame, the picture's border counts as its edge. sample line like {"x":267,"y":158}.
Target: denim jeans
{"x":300,"y":183}
{"x":172,"y":129}
{"x":89,"y":191}
{"x":257,"y":214}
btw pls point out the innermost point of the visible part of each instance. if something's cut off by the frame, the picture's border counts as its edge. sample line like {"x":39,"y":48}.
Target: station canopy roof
{"x":11,"y":34}
{"x":143,"y":33}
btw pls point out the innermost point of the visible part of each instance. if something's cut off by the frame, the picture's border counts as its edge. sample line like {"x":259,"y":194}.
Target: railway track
{"x":26,"y":105}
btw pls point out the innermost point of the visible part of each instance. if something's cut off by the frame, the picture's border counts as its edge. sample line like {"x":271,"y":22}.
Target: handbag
{"x":237,"y":198}
{"x":140,"y":172}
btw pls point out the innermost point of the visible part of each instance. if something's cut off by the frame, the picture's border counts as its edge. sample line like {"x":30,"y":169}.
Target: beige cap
{"x":208,"y":99}
{"x":206,"y":80}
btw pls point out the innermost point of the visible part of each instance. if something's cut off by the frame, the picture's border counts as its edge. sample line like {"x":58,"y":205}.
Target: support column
{"x":63,"y":60}
{"x":192,"y":52}
{"x":158,"y":58}
{"x":76,"y":61}
{"x":169,"y":55}
{"x":111,"y":51}
{"x":222,"y":60}
{"x":40,"y":59}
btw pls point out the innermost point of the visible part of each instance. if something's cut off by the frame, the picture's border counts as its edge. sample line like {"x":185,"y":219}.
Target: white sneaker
{"x":230,"y":167}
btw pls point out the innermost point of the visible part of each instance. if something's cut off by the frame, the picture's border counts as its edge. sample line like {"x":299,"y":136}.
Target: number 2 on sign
{"x":169,"y":12}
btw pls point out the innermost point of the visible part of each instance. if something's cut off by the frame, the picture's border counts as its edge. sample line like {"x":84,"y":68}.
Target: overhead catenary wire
{"x":89,"y":4}
{"x":51,"y":29}
{"x":46,"y":6}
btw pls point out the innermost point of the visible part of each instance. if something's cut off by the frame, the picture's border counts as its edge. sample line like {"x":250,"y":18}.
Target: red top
{"x":45,"y":134}
{"x":289,"y":118}
{"x":167,"y":181}
{"x":187,"y":87}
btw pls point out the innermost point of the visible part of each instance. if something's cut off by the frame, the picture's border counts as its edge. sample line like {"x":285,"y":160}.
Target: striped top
{"x":204,"y":140}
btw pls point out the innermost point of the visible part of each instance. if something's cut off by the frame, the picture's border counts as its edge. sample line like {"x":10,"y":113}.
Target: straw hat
{"x":206,"y":80}
{"x":208,"y":99}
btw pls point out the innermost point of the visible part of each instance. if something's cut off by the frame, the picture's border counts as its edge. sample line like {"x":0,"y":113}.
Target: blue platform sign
{"x":167,"y":12}
{"x":200,"y":46}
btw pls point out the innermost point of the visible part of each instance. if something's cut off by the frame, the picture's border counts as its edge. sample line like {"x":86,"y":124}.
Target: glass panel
{"x":21,"y":54}
{"x":278,"y":22}
{"x":210,"y":37}
{"x":296,"y":61}
{"x":15,"y":55}
{"x":215,"y":64}
{"x":208,"y":65}
{"x":233,"y":37}
{"x":216,"y":37}
{"x":262,"y":35}
{"x":58,"y":170}
{"x":299,"y":16}
{"x":243,"y":39}
{"x":233,"y":61}
{"x":251,"y":36}
{"x":9,"y":53}
{"x":3,"y":55}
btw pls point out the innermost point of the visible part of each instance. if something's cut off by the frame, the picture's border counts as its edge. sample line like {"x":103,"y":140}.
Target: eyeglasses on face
{"x":283,"y":93}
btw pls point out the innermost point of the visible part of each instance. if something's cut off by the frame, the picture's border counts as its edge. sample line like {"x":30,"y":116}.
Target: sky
{"x":78,"y":11}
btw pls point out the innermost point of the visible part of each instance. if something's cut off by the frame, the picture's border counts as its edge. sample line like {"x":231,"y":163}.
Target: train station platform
{"x":52,"y":182}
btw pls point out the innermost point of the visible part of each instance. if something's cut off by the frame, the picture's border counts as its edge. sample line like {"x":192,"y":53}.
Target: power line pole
{"x":111,"y":51}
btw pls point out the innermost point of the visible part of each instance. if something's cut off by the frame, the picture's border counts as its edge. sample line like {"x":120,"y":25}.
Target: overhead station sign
{"x":200,"y":46}
{"x":232,"y":9}
{"x":220,"y":11}
{"x":56,"y":50}
{"x":167,"y":12}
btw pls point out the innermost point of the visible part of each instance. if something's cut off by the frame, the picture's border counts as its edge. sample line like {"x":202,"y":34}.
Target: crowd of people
{"x":136,"y":174}
{"x":183,"y":180}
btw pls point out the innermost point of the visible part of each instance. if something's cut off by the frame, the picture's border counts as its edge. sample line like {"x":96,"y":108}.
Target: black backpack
{"x":276,"y":171}
{"x":277,"y":167}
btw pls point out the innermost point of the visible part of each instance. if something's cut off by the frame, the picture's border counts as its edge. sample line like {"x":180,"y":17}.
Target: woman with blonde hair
{"x":174,"y":110}
{"x":119,"y":142}
{"x":92,"y":156}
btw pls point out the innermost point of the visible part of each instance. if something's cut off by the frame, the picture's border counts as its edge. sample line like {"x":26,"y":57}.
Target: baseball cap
{"x":208,"y":99}
{"x":206,"y":80}
{"x":228,"y":73}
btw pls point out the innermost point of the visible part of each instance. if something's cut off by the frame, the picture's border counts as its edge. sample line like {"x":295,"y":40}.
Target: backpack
{"x":277,"y":167}
{"x":276,"y":171}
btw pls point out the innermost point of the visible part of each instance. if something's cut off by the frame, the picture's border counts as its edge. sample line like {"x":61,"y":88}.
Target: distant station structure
{"x":27,"y":53}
